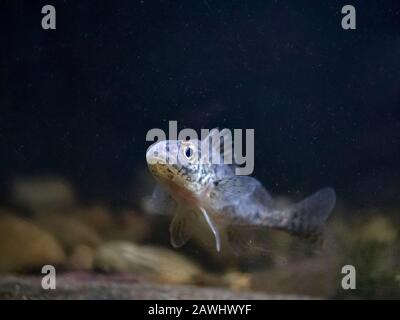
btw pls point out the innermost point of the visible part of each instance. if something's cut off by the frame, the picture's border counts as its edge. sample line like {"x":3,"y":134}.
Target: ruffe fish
{"x":202,"y":188}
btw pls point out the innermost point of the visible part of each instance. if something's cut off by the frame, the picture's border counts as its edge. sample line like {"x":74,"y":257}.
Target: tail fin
{"x":307,"y":218}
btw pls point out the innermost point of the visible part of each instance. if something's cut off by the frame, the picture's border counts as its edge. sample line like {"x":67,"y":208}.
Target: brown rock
{"x":24,"y":246}
{"x":81,"y":258}
{"x":96,"y":217}
{"x":151,"y":262}
{"x":69,"y":231}
{"x":129,"y":226}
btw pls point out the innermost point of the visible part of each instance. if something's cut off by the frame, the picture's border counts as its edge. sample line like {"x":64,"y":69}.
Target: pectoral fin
{"x":185,"y":219}
{"x":213,"y":228}
{"x":179,"y":229}
{"x":160,"y":202}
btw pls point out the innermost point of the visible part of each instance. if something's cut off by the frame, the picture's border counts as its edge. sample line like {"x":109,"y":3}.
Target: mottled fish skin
{"x":194,"y":176}
{"x":216,"y":193}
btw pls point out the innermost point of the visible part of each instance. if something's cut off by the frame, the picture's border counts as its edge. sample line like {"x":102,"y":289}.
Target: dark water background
{"x":324,"y":102}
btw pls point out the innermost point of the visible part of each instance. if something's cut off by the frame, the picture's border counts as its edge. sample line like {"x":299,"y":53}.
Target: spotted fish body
{"x":201,"y":188}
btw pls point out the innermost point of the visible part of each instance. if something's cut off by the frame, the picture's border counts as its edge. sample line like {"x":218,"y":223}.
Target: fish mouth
{"x":153,"y":157}
{"x":154,"y":161}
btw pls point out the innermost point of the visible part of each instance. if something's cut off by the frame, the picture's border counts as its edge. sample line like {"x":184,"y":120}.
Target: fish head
{"x":178,"y":164}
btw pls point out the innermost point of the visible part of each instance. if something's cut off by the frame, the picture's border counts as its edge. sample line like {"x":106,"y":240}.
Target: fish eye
{"x":189,"y":152}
